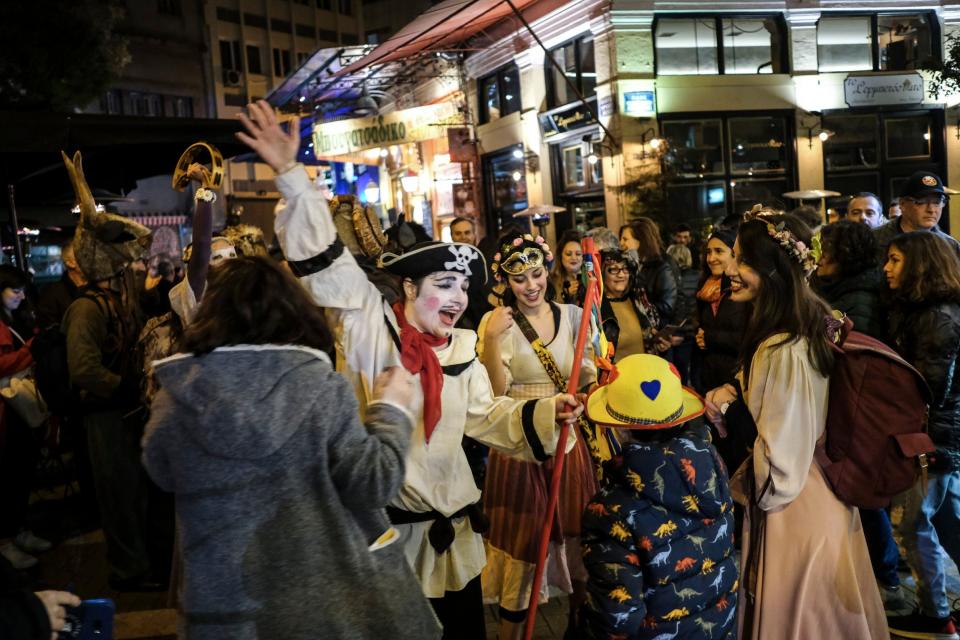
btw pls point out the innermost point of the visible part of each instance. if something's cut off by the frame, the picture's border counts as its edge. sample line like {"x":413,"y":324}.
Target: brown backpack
{"x":876,"y":440}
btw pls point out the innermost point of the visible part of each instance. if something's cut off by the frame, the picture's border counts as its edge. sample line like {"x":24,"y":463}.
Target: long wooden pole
{"x":589,"y":300}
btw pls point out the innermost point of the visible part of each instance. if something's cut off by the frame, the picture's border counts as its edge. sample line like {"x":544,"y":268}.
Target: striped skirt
{"x":515,"y":498}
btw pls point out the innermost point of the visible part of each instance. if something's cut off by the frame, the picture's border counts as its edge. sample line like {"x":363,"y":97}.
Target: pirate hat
{"x":429,"y":257}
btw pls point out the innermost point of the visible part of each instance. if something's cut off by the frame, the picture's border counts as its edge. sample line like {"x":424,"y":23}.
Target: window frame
{"x":936,"y":43}
{"x":483,"y":114}
{"x":779,"y":18}
{"x":549,"y":69}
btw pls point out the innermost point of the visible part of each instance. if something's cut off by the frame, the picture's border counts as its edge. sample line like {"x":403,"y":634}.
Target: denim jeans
{"x":884,"y":554}
{"x":926,"y":546}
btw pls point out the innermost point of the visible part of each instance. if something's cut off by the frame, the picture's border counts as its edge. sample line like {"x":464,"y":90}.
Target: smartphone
{"x":92,"y":620}
{"x":667,"y":332}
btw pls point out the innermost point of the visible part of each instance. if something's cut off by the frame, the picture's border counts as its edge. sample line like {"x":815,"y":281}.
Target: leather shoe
{"x":142,"y":583}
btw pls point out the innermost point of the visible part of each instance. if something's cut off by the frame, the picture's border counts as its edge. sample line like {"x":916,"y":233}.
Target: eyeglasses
{"x":938,"y":201}
{"x":615,"y":271}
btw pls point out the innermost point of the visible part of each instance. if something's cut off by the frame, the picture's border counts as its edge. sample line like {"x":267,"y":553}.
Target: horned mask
{"x":105,"y":244}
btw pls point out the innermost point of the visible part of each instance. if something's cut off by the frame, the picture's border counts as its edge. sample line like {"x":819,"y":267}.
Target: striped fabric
{"x":158,"y":220}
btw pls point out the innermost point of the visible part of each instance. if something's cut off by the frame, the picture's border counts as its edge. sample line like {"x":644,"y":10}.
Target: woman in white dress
{"x":521,"y":343}
{"x":805,"y":569}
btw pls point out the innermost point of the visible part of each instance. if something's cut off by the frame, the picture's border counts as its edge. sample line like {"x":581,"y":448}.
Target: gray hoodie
{"x":280,"y":490}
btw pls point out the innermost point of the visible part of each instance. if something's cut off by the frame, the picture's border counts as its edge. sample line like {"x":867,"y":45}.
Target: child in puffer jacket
{"x":658,"y":539}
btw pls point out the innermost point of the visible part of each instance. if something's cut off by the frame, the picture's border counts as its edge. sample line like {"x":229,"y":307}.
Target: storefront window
{"x":757,"y":145}
{"x":573,"y":166}
{"x":689,"y":46}
{"x":905,"y":42}
{"x":722,"y":165}
{"x":578,"y":64}
{"x":694,"y":147}
{"x":499,"y":94}
{"x":853,"y":144}
{"x":506,"y":184}
{"x":877,"y":151}
{"x":749,"y":45}
{"x":908,"y":137}
{"x":844,"y":43}
{"x":686,"y":46}
{"x":877,"y":42}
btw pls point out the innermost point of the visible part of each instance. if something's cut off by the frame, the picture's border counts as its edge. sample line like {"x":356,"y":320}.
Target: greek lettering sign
{"x":567,"y":119}
{"x":870,"y":91}
{"x":410,"y":125}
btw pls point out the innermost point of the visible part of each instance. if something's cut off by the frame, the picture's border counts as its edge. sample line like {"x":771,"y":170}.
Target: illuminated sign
{"x":640,"y":104}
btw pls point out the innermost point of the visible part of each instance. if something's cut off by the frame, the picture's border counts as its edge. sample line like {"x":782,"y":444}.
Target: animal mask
{"x":105,"y":244}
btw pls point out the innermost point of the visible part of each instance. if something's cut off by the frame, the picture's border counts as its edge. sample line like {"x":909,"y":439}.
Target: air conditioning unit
{"x":232,"y":78}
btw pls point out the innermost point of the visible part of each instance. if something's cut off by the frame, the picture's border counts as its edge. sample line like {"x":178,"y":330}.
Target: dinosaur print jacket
{"x":658,"y":546}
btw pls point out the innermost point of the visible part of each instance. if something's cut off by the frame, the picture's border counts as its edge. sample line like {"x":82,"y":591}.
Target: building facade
{"x":694,"y":114}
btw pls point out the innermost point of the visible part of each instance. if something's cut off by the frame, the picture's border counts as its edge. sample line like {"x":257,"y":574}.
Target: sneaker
{"x":19,"y":559}
{"x":893,"y":598}
{"x":30,"y":543}
{"x":917,"y":625}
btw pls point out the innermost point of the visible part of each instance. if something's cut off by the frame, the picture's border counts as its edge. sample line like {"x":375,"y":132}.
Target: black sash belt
{"x":441,"y":532}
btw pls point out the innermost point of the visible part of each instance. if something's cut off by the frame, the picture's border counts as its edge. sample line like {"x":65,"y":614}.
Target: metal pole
{"x":17,"y":249}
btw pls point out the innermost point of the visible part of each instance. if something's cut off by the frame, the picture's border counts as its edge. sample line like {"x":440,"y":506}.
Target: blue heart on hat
{"x":650,"y":388}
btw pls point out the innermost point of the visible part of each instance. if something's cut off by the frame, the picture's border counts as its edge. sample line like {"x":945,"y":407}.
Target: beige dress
{"x":813,"y":577}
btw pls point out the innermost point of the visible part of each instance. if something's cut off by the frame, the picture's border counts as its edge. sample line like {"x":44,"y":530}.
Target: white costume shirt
{"x":438,"y":476}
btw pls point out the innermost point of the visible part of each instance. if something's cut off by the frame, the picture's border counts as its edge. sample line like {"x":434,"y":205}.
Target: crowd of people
{"x":306,"y":446}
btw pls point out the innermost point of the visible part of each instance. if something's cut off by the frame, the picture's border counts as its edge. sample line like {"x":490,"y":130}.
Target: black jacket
{"x":859,"y":298}
{"x":687,"y":301}
{"x":22,"y":614}
{"x":722,"y":334}
{"x":54,"y":301}
{"x":659,"y":278}
{"x":928,"y":337}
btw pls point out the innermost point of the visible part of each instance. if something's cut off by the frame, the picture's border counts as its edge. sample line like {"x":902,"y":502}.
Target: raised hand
{"x":276,"y":147}
{"x":501,"y":319}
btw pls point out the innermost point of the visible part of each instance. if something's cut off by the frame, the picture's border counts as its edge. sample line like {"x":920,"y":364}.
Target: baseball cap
{"x":921,"y":183}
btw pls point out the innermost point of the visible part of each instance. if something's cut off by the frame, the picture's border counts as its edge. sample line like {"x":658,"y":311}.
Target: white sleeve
{"x":306,"y":231}
{"x":786,"y":397}
{"x":525,"y":429}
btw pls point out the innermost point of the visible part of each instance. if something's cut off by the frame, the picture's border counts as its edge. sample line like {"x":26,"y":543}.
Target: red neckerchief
{"x":417,"y":356}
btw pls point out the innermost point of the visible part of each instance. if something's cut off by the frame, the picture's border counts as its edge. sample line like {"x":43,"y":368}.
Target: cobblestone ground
{"x":78,"y":562}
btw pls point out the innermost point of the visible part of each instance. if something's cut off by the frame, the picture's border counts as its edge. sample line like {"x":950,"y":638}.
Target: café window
{"x":580,"y":164}
{"x":576,"y":59}
{"x":499,"y":94}
{"x":505,"y":181}
{"x":877,"y":151}
{"x":725,"y":164}
{"x":877,"y":42}
{"x":720,"y":45}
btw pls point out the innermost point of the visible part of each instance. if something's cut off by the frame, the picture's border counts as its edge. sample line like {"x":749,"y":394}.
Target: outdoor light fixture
{"x":653,"y":141}
{"x":384,"y":152}
{"x":372,"y":192}
{"x":823,"y":134}
{"x":517,"y":176}
{"x":593,"y":158}
{"x":518,"y":153}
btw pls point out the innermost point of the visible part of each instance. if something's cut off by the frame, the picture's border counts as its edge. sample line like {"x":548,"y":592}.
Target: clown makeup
{"x":530,"y":288}
{"x":438,"y":304}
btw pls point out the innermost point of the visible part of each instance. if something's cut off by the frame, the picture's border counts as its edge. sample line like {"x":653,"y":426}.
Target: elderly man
{"x":464,"y":230}
{"x":921,"y":204}
{"x":867,"y":209}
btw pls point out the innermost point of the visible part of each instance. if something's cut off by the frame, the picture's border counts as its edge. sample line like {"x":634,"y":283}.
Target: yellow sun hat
{"x":644,"y":392}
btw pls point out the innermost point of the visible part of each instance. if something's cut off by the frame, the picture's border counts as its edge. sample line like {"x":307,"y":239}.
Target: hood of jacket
{"x":868,"y":281}
{"x":682,"y":475}
{"x":243,"y":402}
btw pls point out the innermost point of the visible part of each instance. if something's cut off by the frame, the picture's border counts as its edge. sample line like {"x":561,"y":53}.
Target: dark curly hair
{"x":850,"y":245}
{"x":930,"y":271}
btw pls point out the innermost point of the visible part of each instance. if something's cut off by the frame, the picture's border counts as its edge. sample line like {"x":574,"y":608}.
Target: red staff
{"x":591,"y":263}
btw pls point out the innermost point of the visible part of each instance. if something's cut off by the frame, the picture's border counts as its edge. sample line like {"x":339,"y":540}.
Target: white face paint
{"x":438,"y":305}
{"x":221,"y":250}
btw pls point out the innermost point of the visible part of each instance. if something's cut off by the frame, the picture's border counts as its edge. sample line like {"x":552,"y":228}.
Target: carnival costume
{"x":438,"y":493}
{"x":515,"y":492}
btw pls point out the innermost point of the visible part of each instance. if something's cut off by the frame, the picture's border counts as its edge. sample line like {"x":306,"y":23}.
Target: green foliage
{"x":58,"y":55}
{"x":644,"y":194}
{"x":946,"y":75}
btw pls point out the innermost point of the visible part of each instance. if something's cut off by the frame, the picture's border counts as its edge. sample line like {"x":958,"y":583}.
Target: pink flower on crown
{"x":549,"y":257}
{"x":539,"y":240}
{"x":801,"y":246}
{"x":496,"y":258}
{"x":517,"y":242}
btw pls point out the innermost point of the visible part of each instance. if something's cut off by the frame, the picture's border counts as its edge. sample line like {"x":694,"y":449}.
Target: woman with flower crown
{"x":805,"y":569}
{"x":528,"y":346}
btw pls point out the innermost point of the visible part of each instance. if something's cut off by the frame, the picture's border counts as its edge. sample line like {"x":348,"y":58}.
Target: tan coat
{"x":813,"y":577}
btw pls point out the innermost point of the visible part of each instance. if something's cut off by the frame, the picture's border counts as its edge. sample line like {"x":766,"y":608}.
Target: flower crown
{"x":791,"y":244}
{"x":520,"y":254}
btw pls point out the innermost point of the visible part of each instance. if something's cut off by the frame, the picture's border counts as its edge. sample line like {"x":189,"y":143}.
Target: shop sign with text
{"x":567,"y":119}
{"x":400,"y":127}
{"x":871,"y":91}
